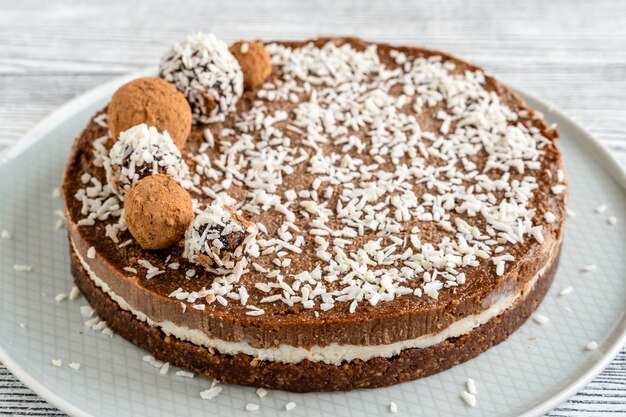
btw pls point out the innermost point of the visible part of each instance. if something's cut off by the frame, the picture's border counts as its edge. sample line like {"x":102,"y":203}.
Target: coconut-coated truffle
{"x":254,"y":62}
{"x":140,"y":151}
{"x":158,"y":211}
{"x":204,"y":70}
{"x":152,"y":101}
{"x":217,"y":237}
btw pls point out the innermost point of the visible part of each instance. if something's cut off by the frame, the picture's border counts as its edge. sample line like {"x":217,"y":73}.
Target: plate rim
{"x":55,"y":118}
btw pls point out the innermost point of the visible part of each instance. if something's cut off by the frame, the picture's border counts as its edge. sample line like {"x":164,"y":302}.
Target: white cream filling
{"x":333,"y":353}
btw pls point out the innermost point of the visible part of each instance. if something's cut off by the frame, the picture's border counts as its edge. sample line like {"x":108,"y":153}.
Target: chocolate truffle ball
{"x":140,"y":151}
{"x":254,"y":62}
{"x":158,"y":211}
{"x":204,"y":70}
{"x":217,"y":237}
{"x":152,"y":101}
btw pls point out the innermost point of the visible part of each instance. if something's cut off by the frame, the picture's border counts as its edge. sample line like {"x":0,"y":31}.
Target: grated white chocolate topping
{"x":204,"y":70}
{"x":364,"y":205}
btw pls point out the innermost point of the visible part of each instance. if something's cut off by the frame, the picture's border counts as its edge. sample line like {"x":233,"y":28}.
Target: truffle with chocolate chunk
{"x":204,"y":70}
{"x":254,"y":62}
{"x":141,"y":151}
{"x":158,"y":211}
{"x":152,"y":101}
{"x":217,"y":237}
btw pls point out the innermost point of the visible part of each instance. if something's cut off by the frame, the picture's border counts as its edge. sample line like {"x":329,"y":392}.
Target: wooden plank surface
{"x":570,"y":53}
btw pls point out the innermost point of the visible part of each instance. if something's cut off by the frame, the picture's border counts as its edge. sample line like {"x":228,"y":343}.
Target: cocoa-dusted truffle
{"x":254,"y":62}
{"x":152,"y":101}
{"x":218,"y":238}
{"x":204,"y":70}
{"x":158,"y":211}
{"x":140,"y":151}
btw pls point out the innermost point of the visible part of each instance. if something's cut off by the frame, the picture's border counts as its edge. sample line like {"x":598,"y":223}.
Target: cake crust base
{"x":312,"y":376}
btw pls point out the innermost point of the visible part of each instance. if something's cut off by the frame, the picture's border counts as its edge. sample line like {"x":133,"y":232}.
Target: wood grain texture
{"x":572,"y":54}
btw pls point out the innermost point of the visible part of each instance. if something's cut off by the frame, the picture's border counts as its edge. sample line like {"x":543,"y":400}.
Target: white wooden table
{"x":572,"y":54}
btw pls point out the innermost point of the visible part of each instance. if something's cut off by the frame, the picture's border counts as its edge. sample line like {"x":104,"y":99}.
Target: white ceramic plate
{"x":537,"y":368}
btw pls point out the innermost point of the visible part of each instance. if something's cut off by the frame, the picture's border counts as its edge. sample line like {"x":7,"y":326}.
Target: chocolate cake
{"x":363,"y":214}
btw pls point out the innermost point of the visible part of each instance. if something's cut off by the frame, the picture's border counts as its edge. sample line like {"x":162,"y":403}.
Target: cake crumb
{"x":290,"y":406}
{"x":252,"y":407}
{"x":571,"y":213}
{"x":261,"y":392}
{"x":74,"y":365}
{"x":22,"y":325}
{"x":565,"y":291}
{"x":5,"y":234}
{"x":612,"y":220}
{"x":56,"y":192}
{"x":601,"y":208}
{"x":164,"y":368}
{"x":393,"y":408}
{"x":593,"y":345}
{"x":540,"y":318}
{"x":57,"y":362}
{"x":470,"y":399}
{"x":471,"y":386}
{"x":60,"y":297}
{"x":184,"y":374}
{"x":588,"y":268}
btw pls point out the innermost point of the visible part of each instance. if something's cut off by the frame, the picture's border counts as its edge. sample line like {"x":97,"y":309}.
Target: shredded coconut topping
{"x":204,"y":70}
{"x":212,"y":392}
{"x":471,"y":386}
{"x":379,"y":186}
{"x":540,"y":318}
{"x":470,"y":399}
{"x":23,"y":268}
{"x":374,"y":184}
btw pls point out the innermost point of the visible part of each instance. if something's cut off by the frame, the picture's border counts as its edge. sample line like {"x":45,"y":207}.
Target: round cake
{"x":362,"y":215}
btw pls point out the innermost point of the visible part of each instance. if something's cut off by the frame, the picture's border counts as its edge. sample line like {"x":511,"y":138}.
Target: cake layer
{"x":308,"y":376}
{"x":334,"y":354}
